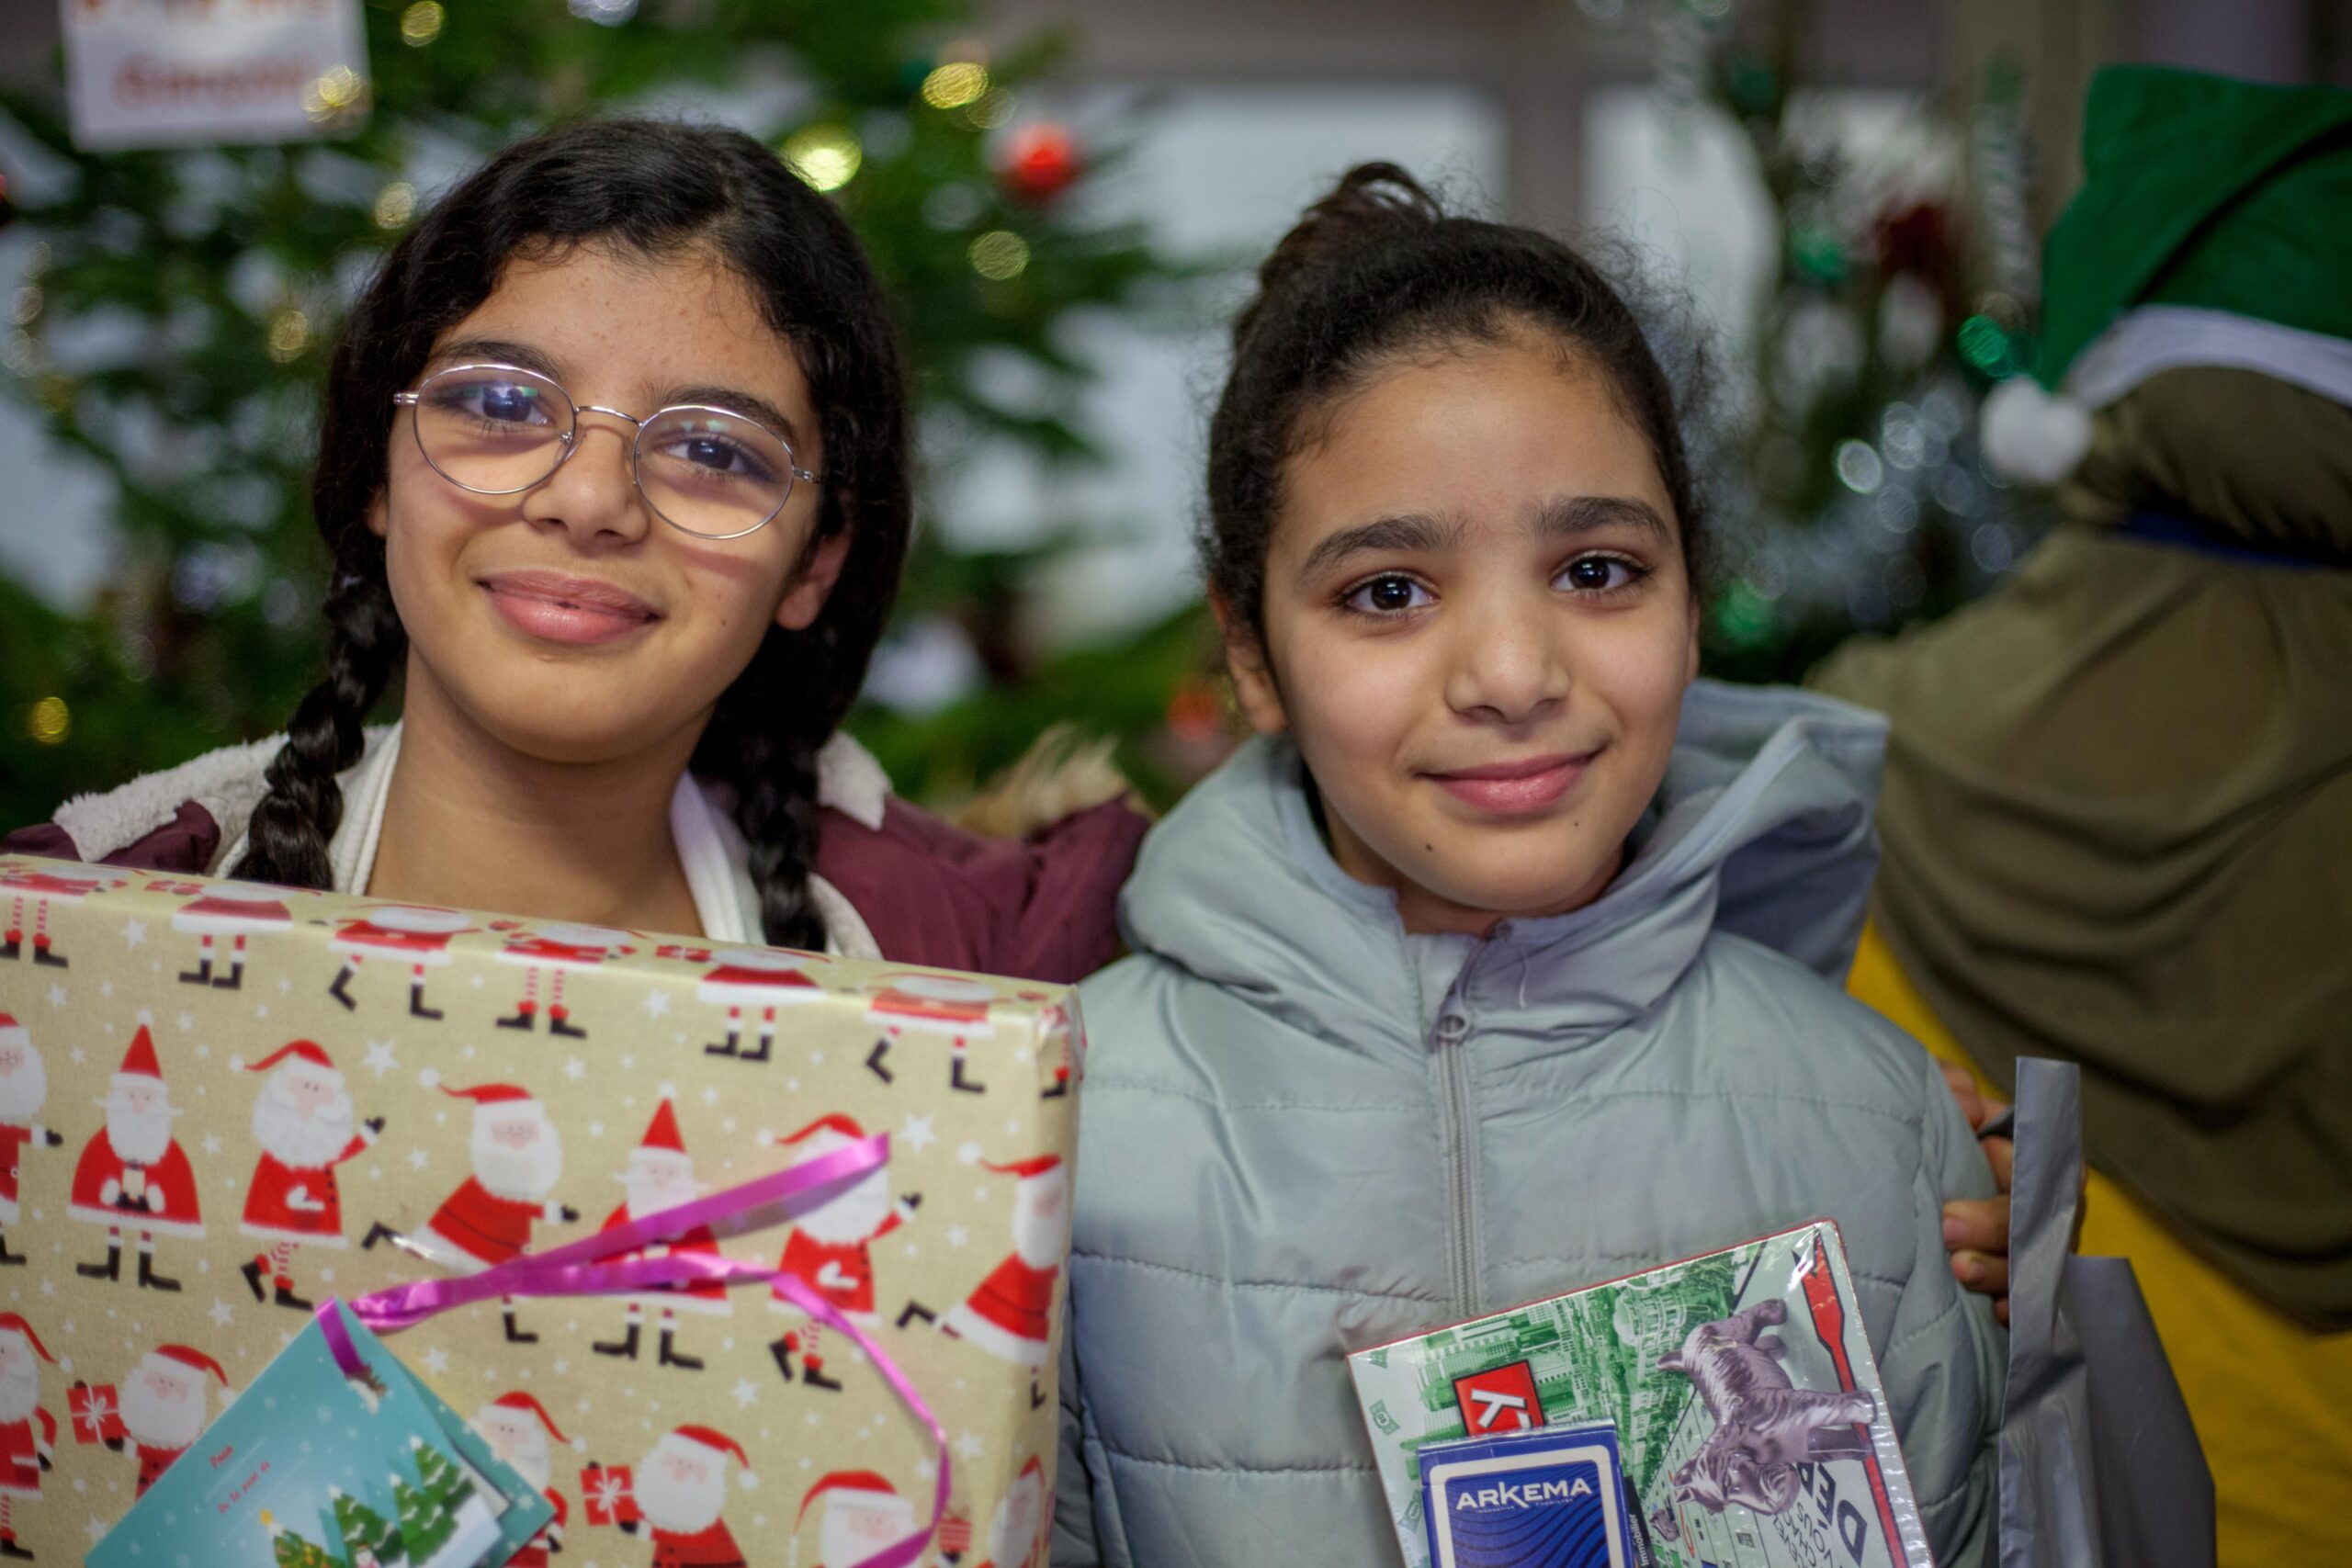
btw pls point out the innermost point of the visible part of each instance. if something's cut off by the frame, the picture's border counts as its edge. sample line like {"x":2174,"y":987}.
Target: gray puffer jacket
{"x":1304,"y":1132}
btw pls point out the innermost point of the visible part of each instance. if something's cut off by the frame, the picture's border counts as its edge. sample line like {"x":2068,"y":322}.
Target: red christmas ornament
{"x":1041,"y":162}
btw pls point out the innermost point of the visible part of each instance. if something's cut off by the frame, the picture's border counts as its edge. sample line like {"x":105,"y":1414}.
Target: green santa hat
{"x":2213,"y":228}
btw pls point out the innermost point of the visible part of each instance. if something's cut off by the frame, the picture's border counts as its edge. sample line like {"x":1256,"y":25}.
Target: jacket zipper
{"x":1448,"y":1040}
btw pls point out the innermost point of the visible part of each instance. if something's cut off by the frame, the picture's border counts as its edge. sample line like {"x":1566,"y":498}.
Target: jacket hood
{"x":1761,"y":829}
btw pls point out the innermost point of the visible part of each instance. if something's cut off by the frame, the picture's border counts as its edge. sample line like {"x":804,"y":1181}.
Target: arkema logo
{"x":1519,"y":1495}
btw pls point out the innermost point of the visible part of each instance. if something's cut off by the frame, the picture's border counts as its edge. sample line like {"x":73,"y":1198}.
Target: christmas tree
{"x":224,"y":269}
{"x":1848,"y":485}
{"x":290,"y":1550}
{"x":367,"y":1537}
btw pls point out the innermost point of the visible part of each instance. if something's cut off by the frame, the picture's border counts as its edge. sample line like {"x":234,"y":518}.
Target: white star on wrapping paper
{"x":418,"y":1159}
{"x":380,"y":1056}
{"x":78,"y":1056}
{"x":106,"y":990}
{"x":134,"y":933}
{"x":436,"y":1360}
{"x":95,"y":1530}
{"x":917,"y":1133}
{"x":262,"y":1011}
{"x":223,"y":1313}
{"x":561,"y":1366}
{"x":187,"y":1021}
{"x":710,"y":1095}
{"x":575,"y":1069}
{"x":746,"y":1390}
{"x":957,"y":1236}
{"x":57,"y":995}
{"x":656,"y":1003}
{"x":285,"y":984}
{"x":204,"y":1053}
{"x":49,"y":1286}
{"x":968,"y":1446}
{"x":212,"y":1142}
{"x":596,"y":1129}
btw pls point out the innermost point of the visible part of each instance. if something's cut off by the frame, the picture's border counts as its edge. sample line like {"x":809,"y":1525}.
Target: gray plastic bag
{"x":2100,"y":1467}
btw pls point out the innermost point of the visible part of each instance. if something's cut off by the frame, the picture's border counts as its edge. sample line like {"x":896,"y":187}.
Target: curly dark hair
{"x":1379,"y":268}
{"x":656,"y":190}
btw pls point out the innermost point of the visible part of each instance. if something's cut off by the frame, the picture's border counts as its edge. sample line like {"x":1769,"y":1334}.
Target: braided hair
{"x":656,"y":190}
{"x":1379,"y":269}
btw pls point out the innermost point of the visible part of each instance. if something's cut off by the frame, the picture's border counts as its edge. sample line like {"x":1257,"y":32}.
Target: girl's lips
{"x":556,"y":608}
{"x":1530,"y":783}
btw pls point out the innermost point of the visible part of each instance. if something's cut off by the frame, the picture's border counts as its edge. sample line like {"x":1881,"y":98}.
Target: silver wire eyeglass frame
{"x":568,"y":443}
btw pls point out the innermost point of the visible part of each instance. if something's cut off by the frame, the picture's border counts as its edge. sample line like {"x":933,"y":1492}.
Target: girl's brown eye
{"x":1596,"y":573}
{"x":1387,"y":596}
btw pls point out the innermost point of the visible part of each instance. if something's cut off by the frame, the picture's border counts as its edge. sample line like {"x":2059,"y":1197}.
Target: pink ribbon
{"x":584,"y":1268}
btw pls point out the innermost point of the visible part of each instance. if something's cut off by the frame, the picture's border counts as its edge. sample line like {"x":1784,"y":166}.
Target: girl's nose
{"x":1506,"y":664}
{"x":591,"y":495}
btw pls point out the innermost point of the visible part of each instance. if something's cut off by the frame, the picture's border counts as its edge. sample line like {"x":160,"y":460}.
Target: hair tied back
{"x":1373,"y":204}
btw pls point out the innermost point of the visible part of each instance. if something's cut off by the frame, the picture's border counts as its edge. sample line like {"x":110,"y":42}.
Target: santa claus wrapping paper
{"x":212,"y":1119}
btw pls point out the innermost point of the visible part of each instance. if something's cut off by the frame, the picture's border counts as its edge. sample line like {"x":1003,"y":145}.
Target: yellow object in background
{"x":2271,"y":1398}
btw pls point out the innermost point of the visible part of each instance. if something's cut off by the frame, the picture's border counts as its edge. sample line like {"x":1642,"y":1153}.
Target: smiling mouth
{"x":553,"y":607}
{"x":1522,"y":785}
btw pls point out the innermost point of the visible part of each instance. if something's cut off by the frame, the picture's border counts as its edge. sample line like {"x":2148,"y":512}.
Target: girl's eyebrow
{"x":496,"y":351}
{"x":1567,"y":515}
{"x":736,"y":400}
{"x":1411,"y":532}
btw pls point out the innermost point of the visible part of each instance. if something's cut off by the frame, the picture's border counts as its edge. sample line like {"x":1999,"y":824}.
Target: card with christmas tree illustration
{"x":309,"y":1468}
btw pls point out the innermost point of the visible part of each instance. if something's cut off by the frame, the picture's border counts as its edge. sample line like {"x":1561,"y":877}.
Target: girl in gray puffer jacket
{"x":1504,"y":962}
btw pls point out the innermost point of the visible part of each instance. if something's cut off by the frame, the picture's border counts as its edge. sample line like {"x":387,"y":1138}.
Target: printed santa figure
{"x":304,"y":1121}
{"x":830,"y":1247}
{"x":931,"y":1004}
{"x":415,"y":934}
{"x":517,"y":1160}
{"x":24,"y":1090}
{"x":1012,"y":1311}
{"x":660,"y":1175}
{"x":763,"y":978}
{"x":681,"y":1490}
{"x":164,"y":1408}
{"x":27,"y":1433}
{"x":552,"y":950}
{"x":231,"y":911}
{"x":863,"y":1516}
{"x":41,"y":886}
{"x":1017,"y":1529}
{"x":518,"y":1430}
{"x":133,"y":1174}
{"x":1063,"y":1042}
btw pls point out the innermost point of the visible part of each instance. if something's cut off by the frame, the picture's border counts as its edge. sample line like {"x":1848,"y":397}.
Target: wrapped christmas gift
{"x":222,"y":1105}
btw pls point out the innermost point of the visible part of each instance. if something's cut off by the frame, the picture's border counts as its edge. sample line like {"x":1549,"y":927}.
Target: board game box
{"x":1750,"y":1420}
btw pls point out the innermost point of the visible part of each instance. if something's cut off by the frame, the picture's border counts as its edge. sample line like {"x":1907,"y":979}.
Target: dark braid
{"x":657,"y":190}
{"x":1378,"y":270}
{"x":287,"y":836}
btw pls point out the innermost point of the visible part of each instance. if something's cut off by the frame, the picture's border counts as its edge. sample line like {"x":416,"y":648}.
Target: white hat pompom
{"x":2032,"y":436}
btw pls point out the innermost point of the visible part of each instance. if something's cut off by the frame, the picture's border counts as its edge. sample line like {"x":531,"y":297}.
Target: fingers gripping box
{"x":223,"y":1103}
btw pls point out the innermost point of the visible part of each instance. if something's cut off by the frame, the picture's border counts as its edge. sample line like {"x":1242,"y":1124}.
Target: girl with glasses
{"x":613,"y":478}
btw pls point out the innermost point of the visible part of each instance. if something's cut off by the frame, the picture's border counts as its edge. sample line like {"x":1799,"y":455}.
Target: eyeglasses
{"x":501,"y":430}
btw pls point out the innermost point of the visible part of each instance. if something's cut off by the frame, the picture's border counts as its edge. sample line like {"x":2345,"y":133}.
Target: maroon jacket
{"x":1040,"y":908}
